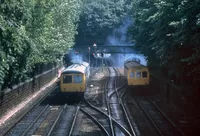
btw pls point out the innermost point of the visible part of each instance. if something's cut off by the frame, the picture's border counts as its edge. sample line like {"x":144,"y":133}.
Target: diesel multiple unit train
{"x":74,"y":78}
{"x":136,"y":73}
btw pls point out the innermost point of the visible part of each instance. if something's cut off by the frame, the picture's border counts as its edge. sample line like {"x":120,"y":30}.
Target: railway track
{"x":104,"y":118}
{"x":6,"y":129}
{"x":46,"y":120}
{"x":116,"y":102}
{"x":115,"y":122}
{"x":148,"y":120}
{"x":111,"y":117}
{"x":103,"y":113}
{"x":162,"y":124}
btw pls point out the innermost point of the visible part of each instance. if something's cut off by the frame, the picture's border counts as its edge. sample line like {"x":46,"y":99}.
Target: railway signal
{"x":94,"y":45}
{"x":89,"y":55}
{"x":95,"y":48}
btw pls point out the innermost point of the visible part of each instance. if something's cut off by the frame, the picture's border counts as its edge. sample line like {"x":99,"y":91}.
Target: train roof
{"x":80,"y":62}
{"x":75,"y":68}
{"x":133,"y":59}
{"x":133,"y":64}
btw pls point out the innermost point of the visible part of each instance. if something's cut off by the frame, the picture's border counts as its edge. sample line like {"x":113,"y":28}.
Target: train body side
{"x":136,"y":74}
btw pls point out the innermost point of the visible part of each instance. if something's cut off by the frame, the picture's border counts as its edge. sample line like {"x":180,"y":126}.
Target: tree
{"x":166,"y":32}
{"x":99,"y":18}
{"x":33,"y":33}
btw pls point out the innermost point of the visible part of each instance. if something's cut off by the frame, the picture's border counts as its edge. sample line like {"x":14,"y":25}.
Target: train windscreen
{"x":132,"y":75}
{"x":78,"y":79}
{"x":67,"y":79}
{"x":138,"y":74}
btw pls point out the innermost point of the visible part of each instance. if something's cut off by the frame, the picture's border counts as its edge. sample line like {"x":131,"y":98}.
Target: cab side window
{"x":144,"y":74}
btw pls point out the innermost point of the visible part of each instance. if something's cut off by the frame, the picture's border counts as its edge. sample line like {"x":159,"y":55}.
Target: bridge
{"x":121,"y":49}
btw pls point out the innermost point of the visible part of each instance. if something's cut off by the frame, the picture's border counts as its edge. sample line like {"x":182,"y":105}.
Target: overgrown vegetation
{"x":99,"y":18}
{"x":167,"y":32}
{"x":32,"y":33}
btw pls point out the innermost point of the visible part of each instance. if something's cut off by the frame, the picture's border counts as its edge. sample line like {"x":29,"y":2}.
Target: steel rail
{"x":115,"y":86}
{"x":123,"y":129}
{"x":153,"y":123}
{"x":123,"y":107}
{"x":74,"y":120}
{"x":108,"y":107}
{"x":96,"y":122}
{"x":167,"y":118}
{"x":31,"y":107}
{"x":126,"y":114}
{"x":56,"y":121}
{"x":34,"y":121}
{"x":119,"y":88}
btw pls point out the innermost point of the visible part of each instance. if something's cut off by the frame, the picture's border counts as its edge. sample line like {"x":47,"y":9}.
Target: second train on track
{"x":136,"y":74}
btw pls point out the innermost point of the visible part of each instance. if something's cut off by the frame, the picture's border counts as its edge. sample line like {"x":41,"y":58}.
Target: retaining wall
{"x":11,"y":97}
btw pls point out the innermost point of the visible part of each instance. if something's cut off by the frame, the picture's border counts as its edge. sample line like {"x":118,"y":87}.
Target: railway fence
{"x":9,"y":98}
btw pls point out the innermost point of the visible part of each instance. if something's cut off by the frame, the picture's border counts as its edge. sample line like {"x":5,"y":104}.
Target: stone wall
{"x":11,"y":97}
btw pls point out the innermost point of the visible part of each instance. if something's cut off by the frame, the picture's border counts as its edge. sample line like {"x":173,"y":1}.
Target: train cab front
{"x":72,"y":85}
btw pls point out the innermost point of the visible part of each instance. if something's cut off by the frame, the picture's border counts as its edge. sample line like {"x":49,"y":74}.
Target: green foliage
{"x":169,"y":31}
{"x":34,"y":32}
{"x":99,"y":18}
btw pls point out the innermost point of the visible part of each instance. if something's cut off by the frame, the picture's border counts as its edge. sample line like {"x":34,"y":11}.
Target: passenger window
{"x":138,"y":74}
{"x":78,"y":79}
{"x":67,"y":79}
{"x":144,"y":74}
{"x":132,"y":75}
